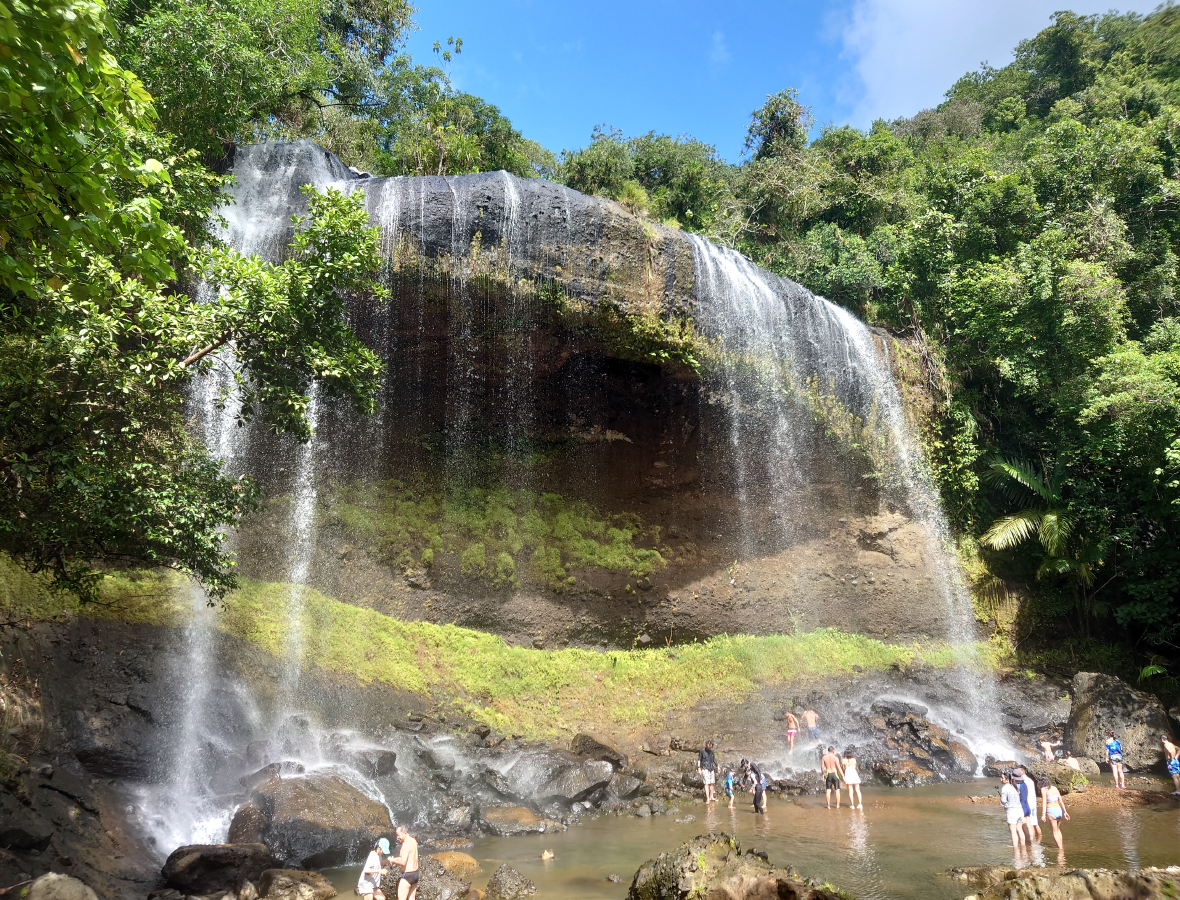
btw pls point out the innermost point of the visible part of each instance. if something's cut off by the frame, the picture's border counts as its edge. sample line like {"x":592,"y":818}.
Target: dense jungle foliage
{"x":1023,"y":235}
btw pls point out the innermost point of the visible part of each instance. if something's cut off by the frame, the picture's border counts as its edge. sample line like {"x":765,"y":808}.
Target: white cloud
{"x":905,"y":54}
{"x":719,"y":54}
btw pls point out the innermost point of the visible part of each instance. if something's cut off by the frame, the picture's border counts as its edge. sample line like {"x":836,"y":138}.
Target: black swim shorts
{"x":410,"y":877}
{"x":831,"y":781}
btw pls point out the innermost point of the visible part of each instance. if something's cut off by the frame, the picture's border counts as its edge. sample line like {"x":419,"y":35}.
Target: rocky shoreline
{"x":71,"y":796}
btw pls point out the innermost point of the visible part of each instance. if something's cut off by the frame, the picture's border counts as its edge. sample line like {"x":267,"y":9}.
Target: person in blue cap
{"x":369,"y":885}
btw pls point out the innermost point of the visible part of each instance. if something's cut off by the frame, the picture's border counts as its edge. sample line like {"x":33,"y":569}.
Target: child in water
{"x":729,"y":787}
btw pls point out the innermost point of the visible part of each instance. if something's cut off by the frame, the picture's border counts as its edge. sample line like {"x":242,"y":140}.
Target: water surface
{"x":896,"y":847}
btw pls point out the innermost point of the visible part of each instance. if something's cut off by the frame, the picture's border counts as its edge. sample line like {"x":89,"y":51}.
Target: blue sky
{"x":557,"y":69}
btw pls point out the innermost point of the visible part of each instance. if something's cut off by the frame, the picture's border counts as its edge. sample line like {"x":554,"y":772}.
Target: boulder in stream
{"x":713,"y":866}
{"x":294,"y":884}
{"x":592,"y":747}
{"x":1104,"y":702}
{"x":316,"y":821}
{"x":208,"y":868}
{"x":508,"y":884}
{"x":435,"y":881}
{"x":507,"y":821}
{"x":1077,"y":884}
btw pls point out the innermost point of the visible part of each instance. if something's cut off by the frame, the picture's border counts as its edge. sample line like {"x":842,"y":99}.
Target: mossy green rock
{"x":713,"y":866}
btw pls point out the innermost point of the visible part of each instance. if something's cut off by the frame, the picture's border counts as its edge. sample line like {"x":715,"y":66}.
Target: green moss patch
{"x":500,"y":534}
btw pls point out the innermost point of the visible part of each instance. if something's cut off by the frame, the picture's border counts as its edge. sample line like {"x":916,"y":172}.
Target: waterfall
{"x":795,"y":423}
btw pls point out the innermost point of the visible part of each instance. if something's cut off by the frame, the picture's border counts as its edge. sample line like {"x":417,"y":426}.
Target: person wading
{"x":369,"y":885}
{"x":1014,"y":811}
{"x":1053,"y":807}
{"x":1028,"y":802}
{"x":852,"y":779}
{"x":1172,"y":758}
{"x":707,"y":767}
{"x":1114,"y":756}
{"x":832,"y":770}
{"x":757,"y":784}
{"x":407,"y":885}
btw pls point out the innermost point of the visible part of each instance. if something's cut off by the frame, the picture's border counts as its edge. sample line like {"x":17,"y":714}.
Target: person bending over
{"x":407,"y":885}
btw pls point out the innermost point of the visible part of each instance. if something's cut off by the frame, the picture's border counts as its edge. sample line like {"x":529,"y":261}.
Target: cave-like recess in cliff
{"x":593,"y":429}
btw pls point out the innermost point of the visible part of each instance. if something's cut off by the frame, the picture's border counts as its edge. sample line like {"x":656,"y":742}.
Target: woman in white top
{"x":1010,"y":800}
{"x":852,"y":780}
{"x":369,"y":885}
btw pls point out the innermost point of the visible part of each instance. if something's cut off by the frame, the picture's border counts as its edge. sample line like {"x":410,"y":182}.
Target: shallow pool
{"x":896,"y":847}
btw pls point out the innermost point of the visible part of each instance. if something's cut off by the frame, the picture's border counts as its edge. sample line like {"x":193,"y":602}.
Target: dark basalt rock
{"x":435,"y":881}
{"x":508,"y":884}
{"x":206,"y":868}
{"x":713,"y":866}
{"x":1103,"y":702}
{"x":294,"y":884}
{"x":318,"y":821}
{"x":598,"y":748}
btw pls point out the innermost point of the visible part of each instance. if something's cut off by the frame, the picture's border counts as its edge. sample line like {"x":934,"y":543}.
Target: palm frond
{"x":1009,"y":531}
{"x":1005,"y":474}
{"x":1056,"y":525}
{"x":1080,"y":570}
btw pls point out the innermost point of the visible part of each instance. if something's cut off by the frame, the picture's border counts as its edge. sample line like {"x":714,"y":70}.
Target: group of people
{"x":837,"y":772}
{"x":750,"y":776}
{"x":1018,"y":796}
{"x":369,"y":886}
{"x":810,"y":719}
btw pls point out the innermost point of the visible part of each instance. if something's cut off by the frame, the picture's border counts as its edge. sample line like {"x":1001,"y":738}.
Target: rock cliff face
{"x":594,"y":428}
{"x":1104,"y":703}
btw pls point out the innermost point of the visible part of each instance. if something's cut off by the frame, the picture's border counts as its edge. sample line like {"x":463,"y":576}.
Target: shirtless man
{"x":810,"y":719}
{"x":1071,"y":762}
{"x":1172,"y":758}
{"x":407,"y":885}
{"x":833,"y":771}
{"x":792,"y":731}
{"x":1047,"y":749}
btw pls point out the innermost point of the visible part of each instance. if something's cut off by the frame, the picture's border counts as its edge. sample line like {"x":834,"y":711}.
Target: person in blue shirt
{"x":729,"y":787}
{"x":1114,"y":756}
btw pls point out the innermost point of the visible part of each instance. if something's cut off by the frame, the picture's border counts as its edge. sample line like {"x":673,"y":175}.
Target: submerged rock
{"x":206,"y":868}
{"x":1104,"y":702}
{"x":507,"y":884}
{"x":713,"y":866}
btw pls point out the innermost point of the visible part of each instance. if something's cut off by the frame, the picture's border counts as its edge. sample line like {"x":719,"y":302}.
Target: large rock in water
{"x":206,"y":868}
{"x":507,"y":821}
{"x":1102,"y":703}
{"x":435,"y":881}
{"x":293,"y":884}
{"x":508,"y":884}
{"x":712,"y":867}
{"x":1082,"y":884}
{"x":316,"y":821}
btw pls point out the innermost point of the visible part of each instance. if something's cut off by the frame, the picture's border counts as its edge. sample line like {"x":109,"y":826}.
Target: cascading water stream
{"x":783,"y":366}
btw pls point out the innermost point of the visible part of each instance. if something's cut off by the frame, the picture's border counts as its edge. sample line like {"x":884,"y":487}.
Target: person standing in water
{"x":1114,"y":756}
{"x":1014,"y":811}
{"x":811,"y":720}
{"x":1027,"y":789}
{"x":407,"y":885}
{"x":707,"y":767}
{"x":1053,"y":807}
{"x":1172,"y":758}
{"x":832,"y":769}
{"x":792,"y":731}
{"x":852,"y":779}
{"x":757,"y":784}
{"x":369,"y":885}
{"x":729,"y":787}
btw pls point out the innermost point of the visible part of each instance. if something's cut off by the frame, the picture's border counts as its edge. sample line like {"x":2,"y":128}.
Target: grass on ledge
{"x":518,"y":690}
